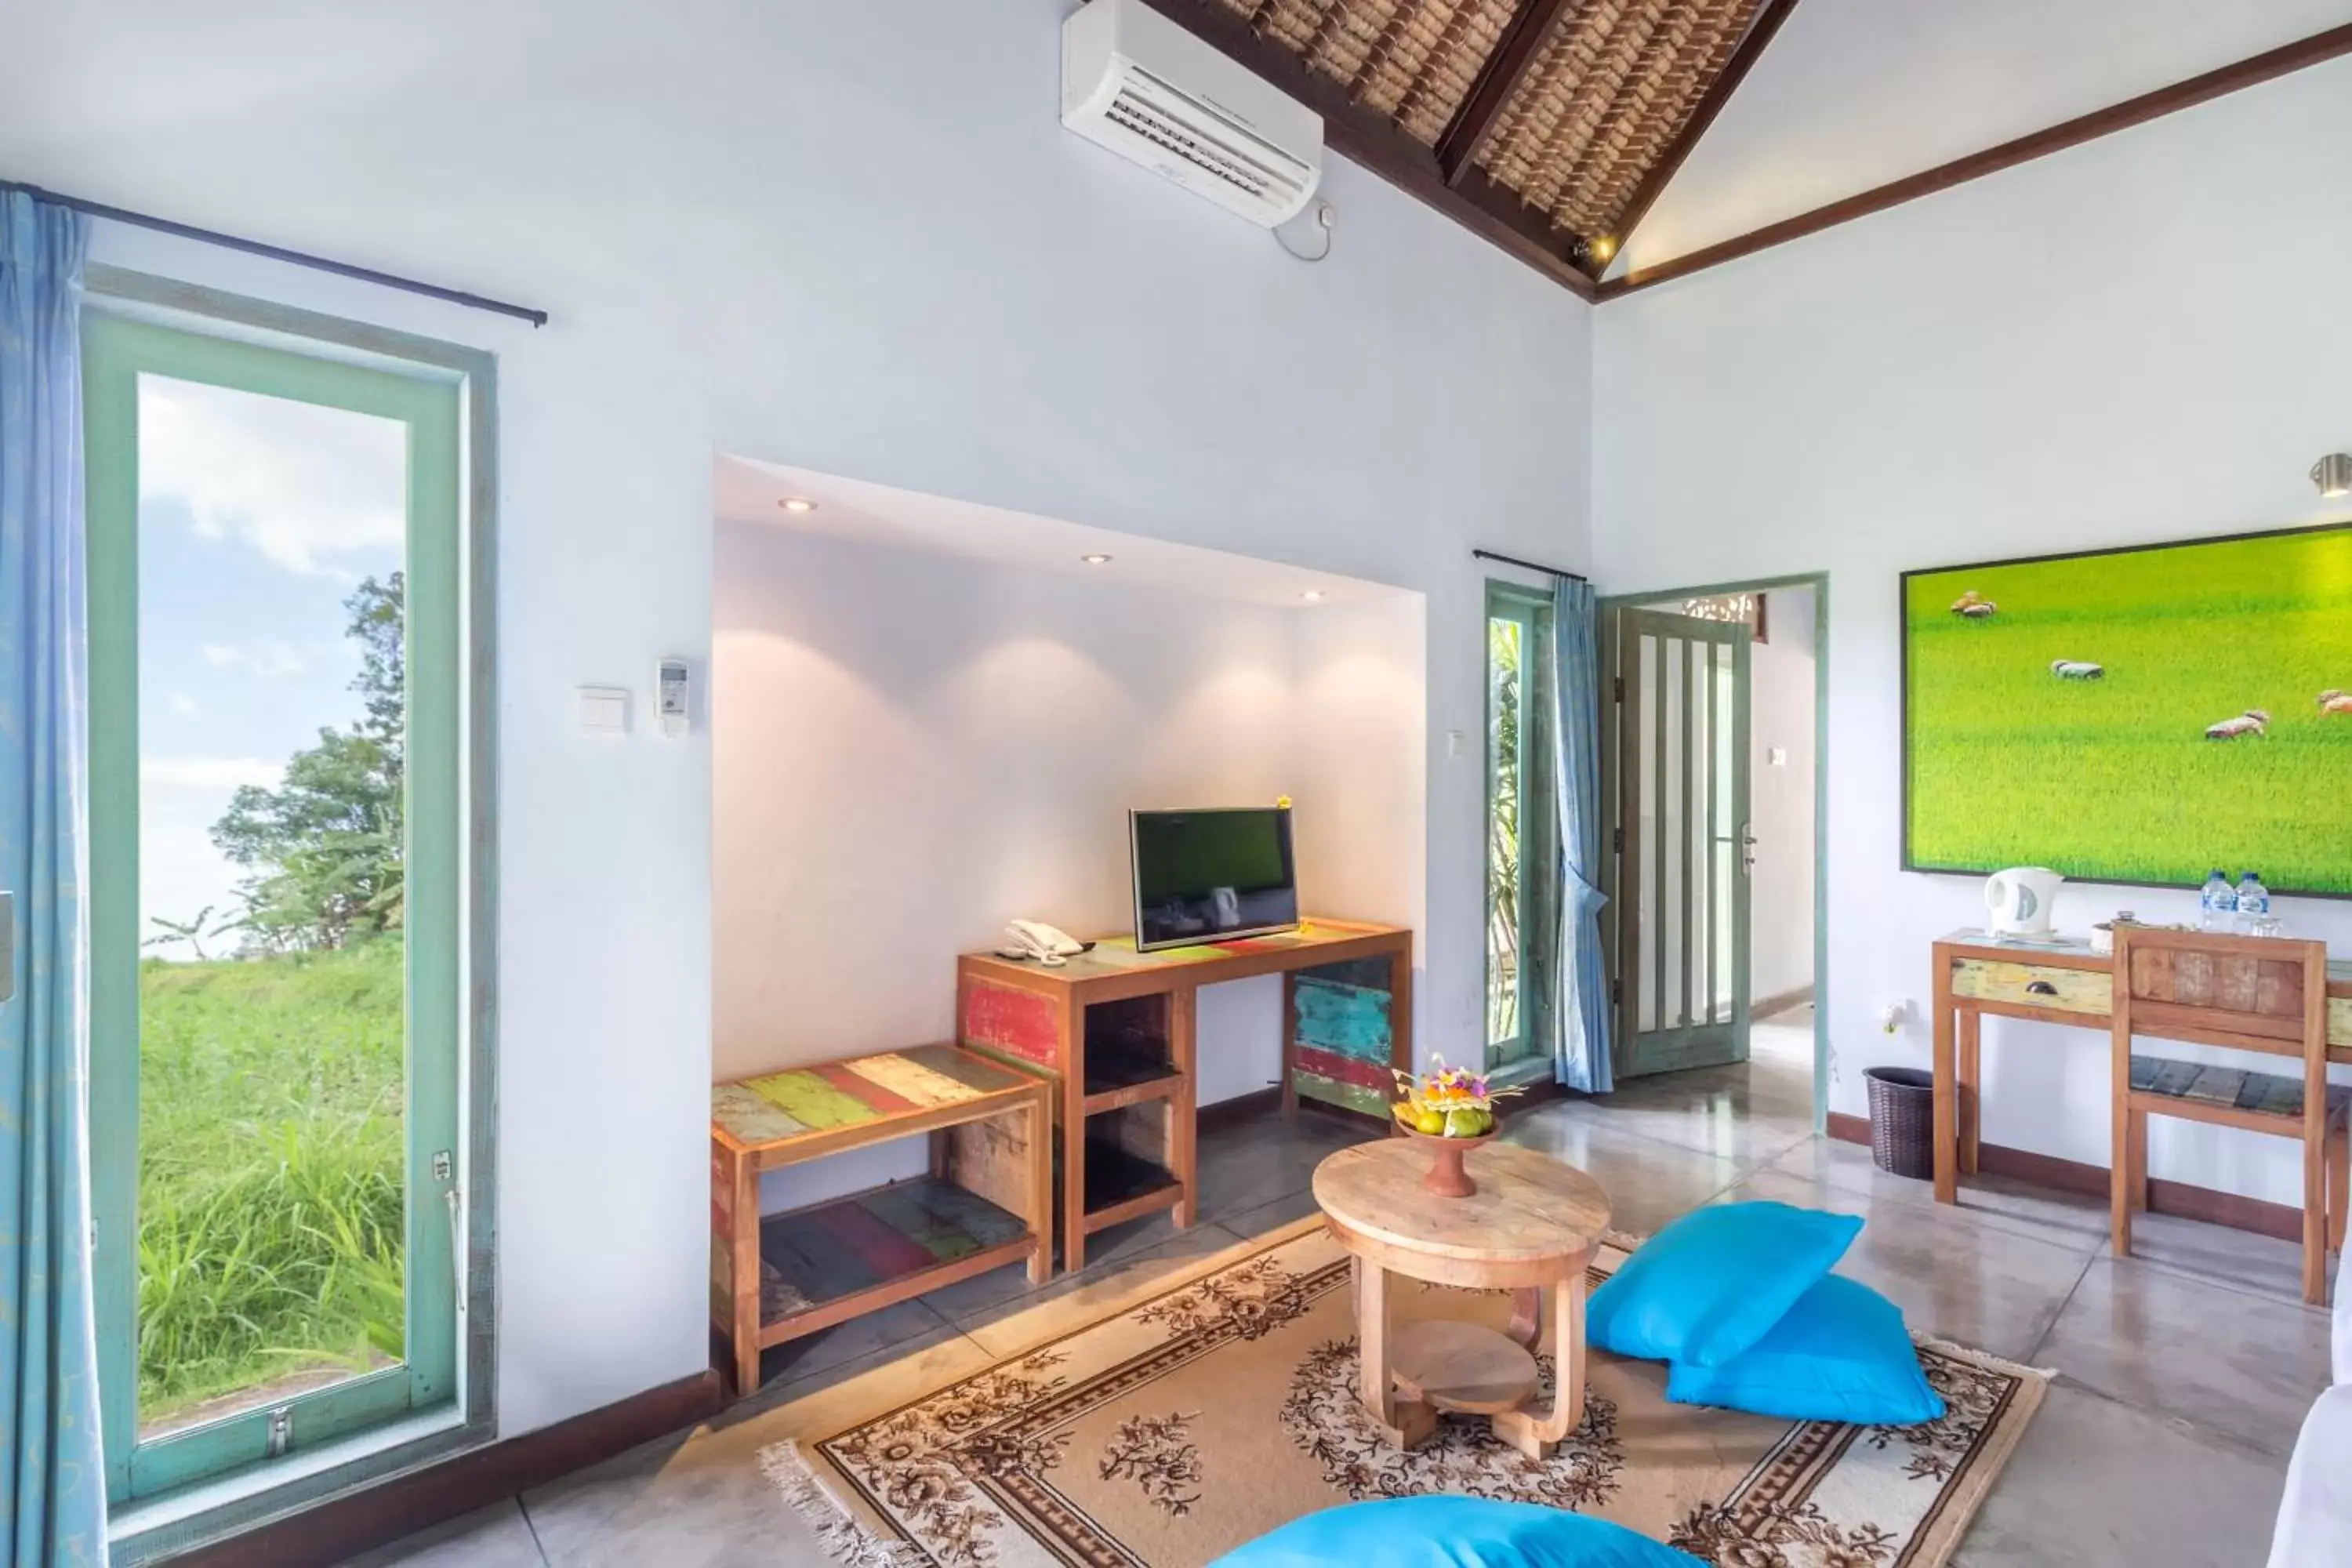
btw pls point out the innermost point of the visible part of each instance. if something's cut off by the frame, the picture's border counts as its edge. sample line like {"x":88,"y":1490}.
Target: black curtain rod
{"x":1532,"y":565}
{"x":279,"y":253}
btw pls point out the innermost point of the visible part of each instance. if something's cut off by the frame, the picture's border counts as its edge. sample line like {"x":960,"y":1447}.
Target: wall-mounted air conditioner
{"x":1139,"y":84}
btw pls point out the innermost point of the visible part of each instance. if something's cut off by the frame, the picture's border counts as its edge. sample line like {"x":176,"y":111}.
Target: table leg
{"x":1972,"y":1029}
{"x":1526,"y":1317}
{"x":1072,"y":1058}
{"x":1535,"y":1434}
{"x":1184,"y":1125}
{"x":1403,"y":1422}
{"x":1041,"y":1185}
{"x":1946,"y":1112}
{"x":743,"y":1240}
{"x":1290,"y":1045}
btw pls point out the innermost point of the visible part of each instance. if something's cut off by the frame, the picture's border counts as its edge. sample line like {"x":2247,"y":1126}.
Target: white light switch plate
{"x":604,"y":709}
{"x":1777,"y":756}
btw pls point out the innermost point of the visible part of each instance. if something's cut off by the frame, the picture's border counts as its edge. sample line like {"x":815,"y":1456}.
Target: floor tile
{"x":682,"y":1503}
{"x":1247,"y":1166}
{"x":1723,"y":1114}
{"x":2265,"y":1265}
{"x":2245,"y":1365}
{"x":2096,"y":1484}
{"x":494,"y":1537}
{"x":1272,"y":1216}
{"x":1952,"y":1275}
{"x":1648,"y":1182}
{"x":902,"y":1325}
{"x":1172,"y":1250}
{"x":2073,"y":1220}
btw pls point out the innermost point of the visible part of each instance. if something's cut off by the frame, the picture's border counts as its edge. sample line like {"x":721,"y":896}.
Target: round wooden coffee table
{"x":1530,"y":1228}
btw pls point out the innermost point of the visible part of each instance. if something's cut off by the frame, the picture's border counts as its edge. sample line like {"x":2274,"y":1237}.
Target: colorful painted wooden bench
{"x":1113,"y":1030}
{"x":987,"y":1201}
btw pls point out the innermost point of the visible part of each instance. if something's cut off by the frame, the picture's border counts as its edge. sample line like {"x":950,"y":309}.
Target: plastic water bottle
{"x":2217,"y":909}
{"x":2253,"y":904}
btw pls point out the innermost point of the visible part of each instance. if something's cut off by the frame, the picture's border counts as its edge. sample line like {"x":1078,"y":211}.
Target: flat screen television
{"x":1212,"y":875}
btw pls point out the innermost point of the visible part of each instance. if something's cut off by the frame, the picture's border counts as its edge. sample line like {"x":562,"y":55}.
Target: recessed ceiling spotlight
{"x":797,"y":503}
{"x":1313,"y":595}
{"x":1097,"y":559}
{"x":1603,"y":248}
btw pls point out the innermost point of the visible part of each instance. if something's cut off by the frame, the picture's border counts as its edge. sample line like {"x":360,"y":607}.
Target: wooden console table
{"x":1114,"y":1029}
{"x":987,"y":1200}
{"x":1978,"y":974}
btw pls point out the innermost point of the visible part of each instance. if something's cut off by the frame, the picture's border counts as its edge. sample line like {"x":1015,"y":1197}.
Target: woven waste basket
{"x":1902,"y":1120}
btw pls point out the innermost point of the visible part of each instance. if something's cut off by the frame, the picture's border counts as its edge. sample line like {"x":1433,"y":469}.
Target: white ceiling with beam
{"x":1855,"y":93}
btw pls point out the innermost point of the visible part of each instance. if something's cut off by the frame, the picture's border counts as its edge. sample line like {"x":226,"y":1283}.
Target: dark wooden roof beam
{"x":1532,"y":26}
{"x":1373,"y":139}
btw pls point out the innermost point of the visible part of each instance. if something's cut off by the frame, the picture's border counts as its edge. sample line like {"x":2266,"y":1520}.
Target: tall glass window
{"x":1520,"y":854}
{"x":275,"y":906}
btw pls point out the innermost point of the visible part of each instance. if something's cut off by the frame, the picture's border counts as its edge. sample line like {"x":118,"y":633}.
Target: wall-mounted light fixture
{"x":2333,"y":475}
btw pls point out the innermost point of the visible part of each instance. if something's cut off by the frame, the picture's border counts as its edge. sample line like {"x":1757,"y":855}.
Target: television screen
{"x":1206,"y":876}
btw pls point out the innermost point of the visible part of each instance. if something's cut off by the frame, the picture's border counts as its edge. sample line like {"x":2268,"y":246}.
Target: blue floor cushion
{"x":1453,"y":1532}
{"x":1715,"y":1281}
{"x":1841,"y":1354}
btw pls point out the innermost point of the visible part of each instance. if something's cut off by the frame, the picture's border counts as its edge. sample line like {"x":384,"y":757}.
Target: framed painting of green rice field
{"x":2137,"y":716}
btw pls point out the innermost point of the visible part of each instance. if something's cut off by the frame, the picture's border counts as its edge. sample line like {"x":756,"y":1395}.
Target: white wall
{"x":2143,"y":338}
{"x":1780,"y":796}
{"x":852,"y":238}
{"x":909,"y":748}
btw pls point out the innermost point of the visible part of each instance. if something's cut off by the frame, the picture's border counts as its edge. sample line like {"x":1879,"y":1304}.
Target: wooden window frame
{"x":1532,"y":608}
{"x":186,"y":1487}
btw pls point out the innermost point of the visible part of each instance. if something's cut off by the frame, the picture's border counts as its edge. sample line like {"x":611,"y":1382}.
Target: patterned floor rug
{"x":1167,"y":1431}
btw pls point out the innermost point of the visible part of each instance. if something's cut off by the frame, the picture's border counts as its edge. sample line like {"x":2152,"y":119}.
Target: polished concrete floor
{"x":2183,"y":1373}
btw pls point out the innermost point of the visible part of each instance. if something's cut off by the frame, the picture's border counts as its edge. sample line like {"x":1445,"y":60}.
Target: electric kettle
{"x":2020,"y":900}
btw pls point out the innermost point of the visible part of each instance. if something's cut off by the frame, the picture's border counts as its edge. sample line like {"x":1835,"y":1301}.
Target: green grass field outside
{"x":270,"y":1163}
{"x":2114,"y":779}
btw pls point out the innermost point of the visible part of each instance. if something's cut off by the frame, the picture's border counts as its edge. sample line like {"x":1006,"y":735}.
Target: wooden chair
{"x":2249,"y":993}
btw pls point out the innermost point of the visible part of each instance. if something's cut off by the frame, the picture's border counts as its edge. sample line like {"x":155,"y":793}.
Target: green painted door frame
{"x":1519,"y":1056}
{"x":117,"y":351}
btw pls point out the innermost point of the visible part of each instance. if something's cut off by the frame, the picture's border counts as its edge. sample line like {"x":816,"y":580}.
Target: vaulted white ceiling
{"x":1851,"y":94}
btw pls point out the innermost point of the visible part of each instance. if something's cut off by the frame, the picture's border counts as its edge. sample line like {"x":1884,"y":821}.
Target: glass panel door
{"x":1675,"y":736}
{"x":274,"y":800}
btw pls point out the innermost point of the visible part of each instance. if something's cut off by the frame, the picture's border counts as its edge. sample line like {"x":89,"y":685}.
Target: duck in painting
{"x":2252,"y":721}
{"x":2336,"y":702}
{"x":2077,"y":670}
{"x":1974,"y":606}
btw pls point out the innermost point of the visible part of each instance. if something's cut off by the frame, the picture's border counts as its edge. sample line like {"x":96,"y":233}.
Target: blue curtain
{"x":1581,"y":999}
{"x":52,"y":1470}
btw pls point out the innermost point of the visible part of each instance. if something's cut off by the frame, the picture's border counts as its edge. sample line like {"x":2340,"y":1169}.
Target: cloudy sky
{"x":257,"y":518}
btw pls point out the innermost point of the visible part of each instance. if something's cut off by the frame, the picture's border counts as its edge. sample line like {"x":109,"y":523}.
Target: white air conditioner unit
{"x":1139,"y":84}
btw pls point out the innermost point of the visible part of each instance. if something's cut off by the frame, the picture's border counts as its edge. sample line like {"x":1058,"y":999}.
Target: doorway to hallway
{"x":1712,"y":736}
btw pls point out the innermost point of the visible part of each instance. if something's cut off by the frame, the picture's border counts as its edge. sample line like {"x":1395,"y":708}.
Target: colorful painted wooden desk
{"x":987,"y":1201}
{"x":1113,"y":1029}
{"x":1977,"y":974}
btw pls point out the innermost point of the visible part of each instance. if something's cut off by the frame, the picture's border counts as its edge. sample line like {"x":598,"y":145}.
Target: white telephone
{"x":1035,"y":939}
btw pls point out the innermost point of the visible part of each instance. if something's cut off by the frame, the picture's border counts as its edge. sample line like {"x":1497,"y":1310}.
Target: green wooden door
{"x":1676,"y":737}
{"x":140,"y":382}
